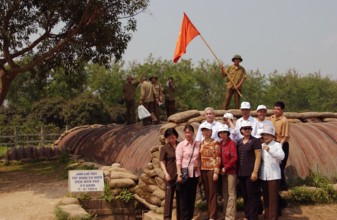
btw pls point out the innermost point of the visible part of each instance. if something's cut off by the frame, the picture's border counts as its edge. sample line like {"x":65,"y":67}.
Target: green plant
{"x":125,"y":195}
{"x":302,"y":195}
{"x":3,"y":151}
{"x":60,"y":215}
{"x":107,"y":195}
{"x":82,"y":196}
{"x":201,"y":205}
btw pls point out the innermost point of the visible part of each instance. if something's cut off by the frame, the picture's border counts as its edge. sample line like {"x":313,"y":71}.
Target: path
{"x":29,"y":196}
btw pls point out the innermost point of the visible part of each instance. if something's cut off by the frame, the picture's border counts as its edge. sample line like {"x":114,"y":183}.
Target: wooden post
{"x":15,"y":137}
{"x":43,"y":136}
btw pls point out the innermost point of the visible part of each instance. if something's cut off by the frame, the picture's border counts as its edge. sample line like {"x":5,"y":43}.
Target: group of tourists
{"x":252,"y":152}
{"x":152,"y":96}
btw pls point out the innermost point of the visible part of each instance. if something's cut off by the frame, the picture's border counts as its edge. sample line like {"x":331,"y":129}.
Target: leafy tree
{"x":61,"y":33}
{"x":49,"y":111}
{"x":104,"y":82}
{"x":84,"y":110}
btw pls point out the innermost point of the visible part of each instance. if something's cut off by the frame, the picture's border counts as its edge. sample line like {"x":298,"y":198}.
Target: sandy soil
{"x":33,"y":197}
{"x":29,"y":197}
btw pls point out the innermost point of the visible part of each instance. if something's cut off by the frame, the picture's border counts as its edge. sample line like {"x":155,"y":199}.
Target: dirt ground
{"x":31,"y":196}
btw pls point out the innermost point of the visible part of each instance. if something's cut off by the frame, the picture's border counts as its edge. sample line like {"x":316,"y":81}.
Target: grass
{"x":3,"y":151}
{"x":55,"y":168}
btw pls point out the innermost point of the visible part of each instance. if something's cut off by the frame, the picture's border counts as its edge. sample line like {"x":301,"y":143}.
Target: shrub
{"x":125,"y":195}
{"x":49,"y":111}
{"x":85,"y":110}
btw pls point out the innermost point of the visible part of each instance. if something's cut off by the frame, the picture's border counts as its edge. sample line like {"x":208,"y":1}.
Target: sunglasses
{"x":247,"y":128}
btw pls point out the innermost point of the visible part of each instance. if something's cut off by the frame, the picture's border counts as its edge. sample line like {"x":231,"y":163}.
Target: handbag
{"x":184,"y":170}
{"x":143,"y":112}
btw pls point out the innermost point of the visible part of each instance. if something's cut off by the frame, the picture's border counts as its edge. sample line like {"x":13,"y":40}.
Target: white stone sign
{"x":85,"y":181}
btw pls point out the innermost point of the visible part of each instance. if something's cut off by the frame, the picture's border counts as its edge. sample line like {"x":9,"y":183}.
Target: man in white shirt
{"x":261,"y":121}
{"x":210,"y":116}
{"x":245,"y":111}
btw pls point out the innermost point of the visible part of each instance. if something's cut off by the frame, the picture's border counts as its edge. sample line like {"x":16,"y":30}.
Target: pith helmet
{"x":237,"y":56}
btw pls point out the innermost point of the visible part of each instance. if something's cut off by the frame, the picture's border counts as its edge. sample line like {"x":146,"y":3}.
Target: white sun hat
{"x":206,"y":126}
{"x":228,"y":115}
{"x":245,"y":105}
{"x":268,"y":130}
{"x":261,"y":107}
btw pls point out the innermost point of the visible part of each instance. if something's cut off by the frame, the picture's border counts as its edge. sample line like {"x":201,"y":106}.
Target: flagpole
{"x":216,"y":57}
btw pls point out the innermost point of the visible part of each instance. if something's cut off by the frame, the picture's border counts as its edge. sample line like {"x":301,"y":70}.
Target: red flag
{"x":186,"y":35}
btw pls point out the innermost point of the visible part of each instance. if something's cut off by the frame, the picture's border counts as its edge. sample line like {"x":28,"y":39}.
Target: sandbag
{"x":329,"y":119}
{"x":219,"y":113}
{"x":154,"y":149}
{"x":121,"y":183}
{"x":166,"y":126}
{"x":150,"y":166}
{"x":143,"y":112}
{"x":118,"y":169}
{"x":156,"y":162}
{"x":294,"y":120}
{"x":155,"y":154}
{"x":198,"y":119}
{"x":312,"y":120}
{"x":305,"y":115}
{"x":159,"y":193}
{"x":235,"y":112}
{"x":181,"y":134}
{"x":149,"y":188}
{"x":122,"y":175}
{"x":292,"y":115}
{"x":159,"y":172}
{"x":183,"y":116}
{"x":150,"y":173}
{"x":329,"y":115}
{"x":160,"y":182}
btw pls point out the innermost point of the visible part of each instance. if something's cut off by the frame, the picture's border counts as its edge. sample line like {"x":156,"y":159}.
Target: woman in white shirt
{"x":270,"y":172}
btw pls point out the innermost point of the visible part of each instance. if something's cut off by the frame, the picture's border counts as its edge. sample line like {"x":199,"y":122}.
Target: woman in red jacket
{"x":228,"y":161}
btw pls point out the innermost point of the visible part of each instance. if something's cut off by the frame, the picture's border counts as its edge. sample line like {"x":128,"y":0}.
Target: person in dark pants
{"x":281,"y":125}
{"x":129,"y":97}
{"x":187,"y":156}
{"x":270,"y":173}
{"x":168,"y":165}
{"x":147,"y":98}
{"x":249,"y":155}
{"x":210,"y":157}
{"x":170,"y":103}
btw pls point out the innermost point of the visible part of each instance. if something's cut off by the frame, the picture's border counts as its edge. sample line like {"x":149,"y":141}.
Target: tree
{"x":61,"y":33}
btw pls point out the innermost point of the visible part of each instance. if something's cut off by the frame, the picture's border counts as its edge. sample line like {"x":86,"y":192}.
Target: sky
{"x":269,"y":34}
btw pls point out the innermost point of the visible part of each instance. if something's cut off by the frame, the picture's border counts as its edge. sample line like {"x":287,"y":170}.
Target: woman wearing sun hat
{"x":270,"y":172}
{"x":229,"y":165}
{"x":210,"y":158}
{"x":249,"y":154}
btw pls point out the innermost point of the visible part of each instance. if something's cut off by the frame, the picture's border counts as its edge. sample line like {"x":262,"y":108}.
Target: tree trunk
{"x":5,"y":80}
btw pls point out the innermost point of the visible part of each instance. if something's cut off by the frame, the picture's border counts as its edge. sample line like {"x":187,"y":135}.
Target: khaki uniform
{"x":236,"y":74}
{"x":170,"y":102}
{"x":158,"y":92}
{"x":129,"y":97}
{"x":147,"y":97}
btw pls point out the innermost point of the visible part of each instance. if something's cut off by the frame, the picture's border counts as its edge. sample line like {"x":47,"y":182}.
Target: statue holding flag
{"x":235,"y":74}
